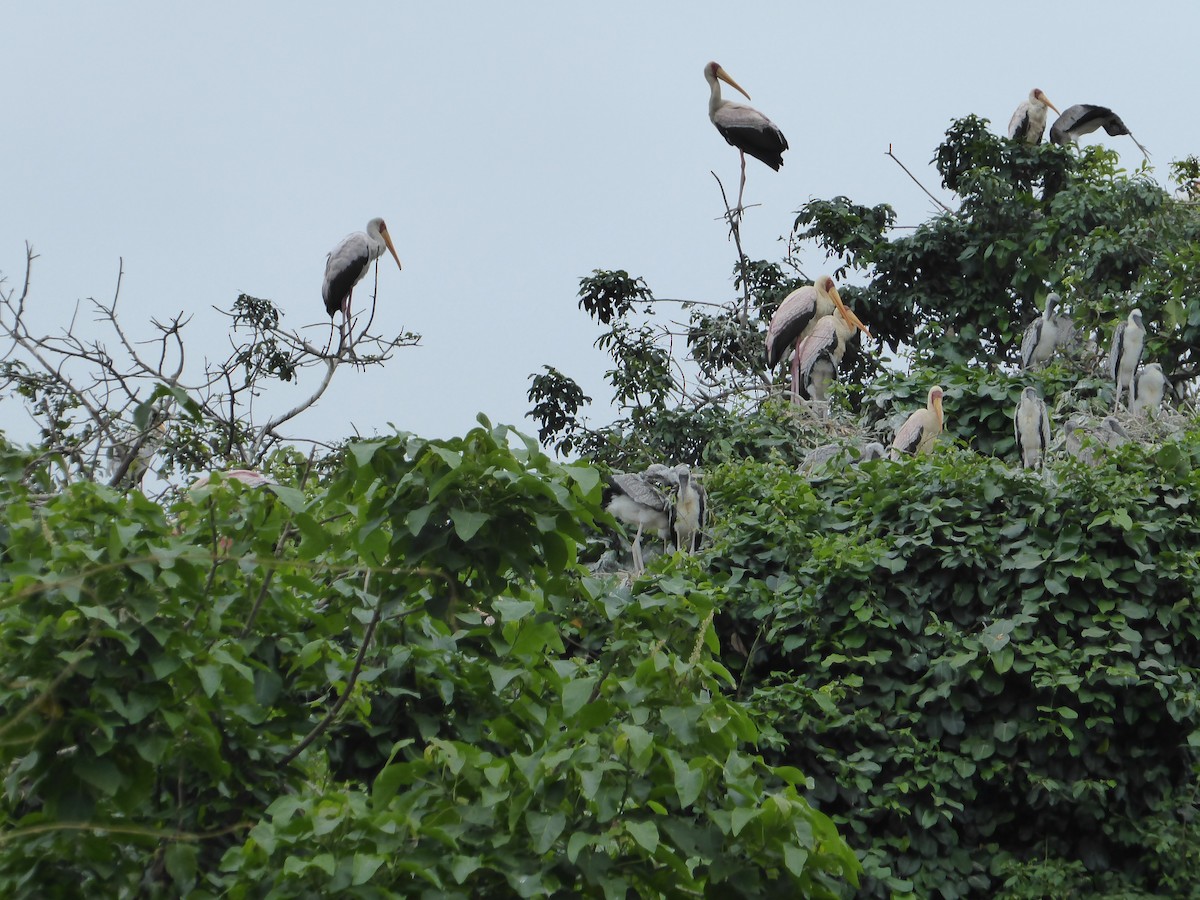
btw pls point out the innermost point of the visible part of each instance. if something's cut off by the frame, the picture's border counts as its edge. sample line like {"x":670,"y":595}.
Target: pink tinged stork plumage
{"x":921,"y":429}
{"x":821,"y":352}
{"x":1028,"y":123}
{"x":796,"y":318}
{"x":346,"y":265}
{"x":743,"y":126}
{"x":1031,"y":423}
{"x":1126,"y":354}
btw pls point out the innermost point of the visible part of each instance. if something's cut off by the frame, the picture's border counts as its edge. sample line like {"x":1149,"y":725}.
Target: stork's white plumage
{"x":1041,"y":336}
{"x":346,"y":265}
{"x":1149,"y":388}
{"x":690,"y":503}
{"x":821,"y":352}
{"x":1031,"y":422}
{"x":743,"y":126}
{"x":921,"y":429}
{"x":1028,"y":123}
{"x":1084,"y":118}
{"x":1126,"y":354}
{"x":796,"y":318}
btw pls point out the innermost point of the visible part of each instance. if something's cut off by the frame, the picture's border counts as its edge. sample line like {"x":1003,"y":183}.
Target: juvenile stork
{"x":921,"y":429}
{"x":1041,"y":336}
{"x":691,"y":503}
{"x":346,"y":265}
{"x":743,"y":126}
{"x":1148,"y":391}
{"x":1126,"y":353}
{"x":1031,"y":423}
{"x":635,"y":500}
{"x":1084,"y":118}
{"x":796,"y":318}
{"x":1028,"y":123}
{"x":820,"y":354}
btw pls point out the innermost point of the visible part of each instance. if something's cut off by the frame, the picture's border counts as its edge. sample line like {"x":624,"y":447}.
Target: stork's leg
{"x":796,"y":373}
{"x":346,"y":342}
{"x":742,"y":186}
{"x":639,"y":565}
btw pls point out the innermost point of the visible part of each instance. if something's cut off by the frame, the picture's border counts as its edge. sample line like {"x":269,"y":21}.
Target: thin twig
{"x":917,"y":183}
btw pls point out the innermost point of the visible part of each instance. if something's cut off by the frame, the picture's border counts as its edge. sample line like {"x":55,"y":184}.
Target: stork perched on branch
{"x":1028,"y":123}
{"x":921,"y":429}
{"x":346,"y":265}
{"x":798,"y":316}
{"x":1126,"y":353}
{"x":1041,"y":336}
{"x":743,"y":126}
{"x":1149,"y":388}
{"x":636,"y":500}
{"x":1084,"y":118}
{"x":820,"y":354}
{"x":1031,"y":423}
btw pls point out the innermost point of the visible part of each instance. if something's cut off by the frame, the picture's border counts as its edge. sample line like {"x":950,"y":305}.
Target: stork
{"x":1148,"y":391}
{"x":636,"y":501}
{"x":1041,"y":336}
{"x":921,"y":429}
{"x":1084,"y":441}
{"x":691,"y":503}
{"x":743,"y":126}
{"x":1084,"y":118}
{"x":796,"y":318}
{"x":820,"y":354}
{"x":346,"y":265}
{"x":1028,"y":123}
{"x":1031,"y":423}
{"x":1126,"y":353}
{"x":872,"y":450}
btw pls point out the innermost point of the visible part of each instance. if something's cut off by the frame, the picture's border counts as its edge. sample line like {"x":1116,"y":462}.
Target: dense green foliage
{"x":399,"y":684}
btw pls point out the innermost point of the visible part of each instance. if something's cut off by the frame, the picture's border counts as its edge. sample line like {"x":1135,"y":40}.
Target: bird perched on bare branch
{"x":1028,"y":123}
{"x":1149,"y":388}
{"x":1031,"y":422}
{"x":1128,"y":341}
{"x":1084,"y":118}
{"x":921,"y":429}
{"x":1041,"y":336}
{"x":743,"y":126}
{"x":346,"y":265}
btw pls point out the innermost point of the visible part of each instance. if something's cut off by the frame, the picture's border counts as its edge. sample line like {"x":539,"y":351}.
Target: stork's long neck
{"x":714,"y":96}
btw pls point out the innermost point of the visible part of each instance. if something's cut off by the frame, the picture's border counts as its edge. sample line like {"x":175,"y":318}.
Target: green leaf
{"x":468,"y":522}
{"x":645,"y":833}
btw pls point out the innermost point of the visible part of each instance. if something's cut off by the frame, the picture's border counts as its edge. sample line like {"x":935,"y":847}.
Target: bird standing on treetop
{"x":1041,"y":336}
{"x":688,"y":515}
{"x":346,"y":265}
{"x":796,"y":318}
{"x":1031,"y":423}
{"x":1126,"y":353}
{"x":743,"y":126}
{"x":921,"y":429}
{"x":1028,"y":123}
{"x":635,"y":500}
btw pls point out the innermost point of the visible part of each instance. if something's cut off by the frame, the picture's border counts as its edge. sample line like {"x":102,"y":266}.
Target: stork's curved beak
{"x":1049,"y":104}
{"x":387,"y":239}
{"x":937,"y":406}
{"x":724,"y":76}
{"x":847,"y":313}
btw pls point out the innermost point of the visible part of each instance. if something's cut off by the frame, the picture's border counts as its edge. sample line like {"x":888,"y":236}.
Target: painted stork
{"x":1084,"y":118}
{"x":821,"y":353}
{"x":796,"y":318}
{"x":1028,"y":123}
{"x":872,"y":450}
{"x":635,"y":500}
{"x":687,"y":517}
{"x":921,"y":429}
{"x":1126,"y":353}
{"x":1041,"y":336}
{"x":1084,"y":441}
{"x":743,"y":126}
{"x":1148,"y":391}
{"x":346,"y":265}
{"x":1031,"y":423}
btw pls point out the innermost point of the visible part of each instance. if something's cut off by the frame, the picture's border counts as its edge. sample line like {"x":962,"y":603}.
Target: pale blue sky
{"x":512,"y":148}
